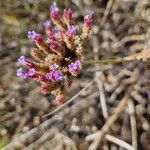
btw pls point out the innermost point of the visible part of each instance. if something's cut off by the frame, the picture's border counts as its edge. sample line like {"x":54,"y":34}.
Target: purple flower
{"x":54,"y":75}
{"x":58,"y":33}
{"x":75,"y":67}
{"x":31,"y":72}
{"x":71,"y":31}
{"x":88,"y":19}
{"x":49,"y":76}
{"x":47,"y":24}
{"x":34,"y":36}
{"x":54,"y":11}
{"x":21,"y":73}
{"x":68,"y":13}
{"x":22,"y":60}
{"x":58,"y":76}
{"x":54,"y":66}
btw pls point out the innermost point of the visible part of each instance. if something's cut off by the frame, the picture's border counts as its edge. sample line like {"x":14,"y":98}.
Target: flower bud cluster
{"x":57,"y":59}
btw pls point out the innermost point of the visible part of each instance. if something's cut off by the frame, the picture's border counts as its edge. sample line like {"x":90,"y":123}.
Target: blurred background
{"x":120,"y":28}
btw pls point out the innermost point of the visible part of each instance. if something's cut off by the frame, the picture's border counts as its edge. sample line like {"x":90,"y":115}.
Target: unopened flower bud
{"x":60,"y":99}
{"x":68,"y":13}
{"x":88,"y":19}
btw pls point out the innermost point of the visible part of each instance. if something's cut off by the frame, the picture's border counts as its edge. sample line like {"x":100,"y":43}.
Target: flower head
{"x":22,"y":60}
{"x":68,"y":13}
{"x":35,"y":36}
{"x":56,"y":60}
{"x":21,"y":73}
{"x":88,"y":19}
{"x":54,"y":11}
{"x":75,"y":67}
{"x":71,"y":31}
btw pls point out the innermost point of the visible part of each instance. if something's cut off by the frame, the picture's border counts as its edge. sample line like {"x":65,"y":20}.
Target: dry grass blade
{"x":113,"y":140}
{"x":133,"y":124}
{"x":107,"y":11}
{"x":101,"y":133}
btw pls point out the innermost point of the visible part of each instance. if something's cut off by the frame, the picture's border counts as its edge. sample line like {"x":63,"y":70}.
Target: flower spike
{"x":57,"y":61}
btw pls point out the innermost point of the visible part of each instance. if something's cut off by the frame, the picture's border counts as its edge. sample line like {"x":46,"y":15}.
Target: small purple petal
{"x":54,"y":7}
{"x":58,"y":76}
{"x":34,"y":36}
{"x":31,"y":34}
{"x":75,"y":66}
{"x":22,"y":60}
{"x":49,"y":76}
{"x":54,"y":75}
{"x":21,"y":73}
{"x":47,"y":24}
{"x":71,"y":31}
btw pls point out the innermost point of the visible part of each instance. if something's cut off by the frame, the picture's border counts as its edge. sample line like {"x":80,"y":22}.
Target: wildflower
{"x":68,"y":13}
{"x":75,"y":67}
{"x":31,"y":72}
{"x":88,"y":19}
{"x":35,"y":36}
{"x":64,"y":44}
{"x":58,"y":33}
{"x":58,"y":75}
{"x":54,"y":75}
{"x":21,"y":73}
{"x":47,"y":24}
{"x":54,"y":11}
{"x":71,"y":31}
{"x":22,"y":60}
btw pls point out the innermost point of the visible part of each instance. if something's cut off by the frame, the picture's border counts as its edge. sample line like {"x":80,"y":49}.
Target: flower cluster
{"x":58,"y":58}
